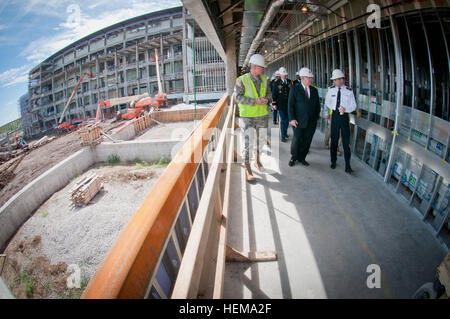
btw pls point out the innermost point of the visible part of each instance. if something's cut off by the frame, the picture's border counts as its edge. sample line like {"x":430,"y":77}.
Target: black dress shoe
{"x":304,"y":163}
{"x":284,"y":140}
{"x":291,"y":163}
{"x":349,"y":170}
{"x":333,"y":165}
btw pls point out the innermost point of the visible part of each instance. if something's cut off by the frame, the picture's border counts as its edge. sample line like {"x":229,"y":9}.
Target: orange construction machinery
{"x":138,"y":105}
{"x":67,"y":126}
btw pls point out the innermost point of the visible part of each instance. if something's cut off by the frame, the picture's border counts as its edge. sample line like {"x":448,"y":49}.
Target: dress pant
{"x":301,"y":141}
{"x":340,"y":123}
{"x":284,"y":123}
{"x":275,"y":116}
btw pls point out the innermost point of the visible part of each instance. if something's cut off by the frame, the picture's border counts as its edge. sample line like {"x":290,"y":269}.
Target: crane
{"x":161,"y":97}
{"x":66,"y":126}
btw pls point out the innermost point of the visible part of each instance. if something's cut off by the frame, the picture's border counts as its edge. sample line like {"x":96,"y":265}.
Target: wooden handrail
{"x":191,"y":268}
{"x":128,"y":267}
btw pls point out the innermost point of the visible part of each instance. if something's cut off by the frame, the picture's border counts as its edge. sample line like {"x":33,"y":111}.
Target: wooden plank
{"x":221,"y":255}
{"x":236,"y":256}
{"x":190,"y":272}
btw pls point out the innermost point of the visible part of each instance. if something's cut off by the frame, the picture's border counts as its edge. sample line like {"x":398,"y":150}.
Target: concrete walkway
{"x":327,"y":228}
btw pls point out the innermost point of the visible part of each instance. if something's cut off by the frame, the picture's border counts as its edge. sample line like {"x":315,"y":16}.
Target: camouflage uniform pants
{"x":254,"y":131}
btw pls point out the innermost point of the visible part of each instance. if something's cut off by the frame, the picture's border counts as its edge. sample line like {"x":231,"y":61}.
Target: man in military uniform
{"x":273,"y":85}
{"x":253,"y":95}
{"x":280,"y":95}
{"x":297,"y":80}
{"x":341,"y":101}
{"x":304,"y":111}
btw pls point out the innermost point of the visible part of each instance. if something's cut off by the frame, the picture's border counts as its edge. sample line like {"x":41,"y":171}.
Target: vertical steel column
{"x":369,"y":67}
{"x":358,"y":82}
{"x":399,"y":92}
{"x":413,"y":79}
{"x":447,"y":93}
{"x":341,"y":54}
{"x":432,"y":82}
{"x":350,"y":60}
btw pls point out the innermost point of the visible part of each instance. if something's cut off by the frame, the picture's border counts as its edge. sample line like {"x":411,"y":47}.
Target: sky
{"x":33,"y":30}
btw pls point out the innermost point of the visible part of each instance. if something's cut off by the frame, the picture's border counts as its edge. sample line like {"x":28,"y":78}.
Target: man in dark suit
{"x":304,"y":111}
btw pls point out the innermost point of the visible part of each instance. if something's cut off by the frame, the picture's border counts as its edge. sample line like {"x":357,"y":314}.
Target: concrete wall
{"x":20,"y":207}
{"x":125,"y":134}
{"x":17,"y":210}
{"x":145,"y":150}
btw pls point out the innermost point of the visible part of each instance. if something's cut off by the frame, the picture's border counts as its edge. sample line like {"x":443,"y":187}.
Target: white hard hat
{"x":277,"y":73}
{"x":337,"y":74}
{"x":282,"y":71}
{"x":258,"y":59}
{"x":305,"y":72}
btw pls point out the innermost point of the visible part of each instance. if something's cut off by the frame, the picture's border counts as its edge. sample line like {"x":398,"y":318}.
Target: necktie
{"x":338,"y":102}
{"x":306,"y":91}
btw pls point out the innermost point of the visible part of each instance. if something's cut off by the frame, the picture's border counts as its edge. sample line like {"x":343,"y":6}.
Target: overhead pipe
{"x":267,"y":20}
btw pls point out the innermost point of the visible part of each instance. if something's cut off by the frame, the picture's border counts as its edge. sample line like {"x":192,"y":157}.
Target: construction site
{"x":126,"y":179}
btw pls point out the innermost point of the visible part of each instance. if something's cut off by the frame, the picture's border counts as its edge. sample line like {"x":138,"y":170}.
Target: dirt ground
{"x":39,"y":160}
{"x":42,"y":255}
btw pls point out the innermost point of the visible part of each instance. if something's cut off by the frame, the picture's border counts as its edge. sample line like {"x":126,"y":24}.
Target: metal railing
{"x":144,"y":261}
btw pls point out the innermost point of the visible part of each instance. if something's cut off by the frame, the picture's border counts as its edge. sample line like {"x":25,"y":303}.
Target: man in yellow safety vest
{"x":253,"y":96}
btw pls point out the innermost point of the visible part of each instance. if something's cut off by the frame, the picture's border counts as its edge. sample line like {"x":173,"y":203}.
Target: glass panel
{"x":422,"y":68}
{"x":200,"y":178}
{"x":360,"y":139}
{"x":409,"y":177}
{"x":193,"y":199}
{"x":382,"y":156}
{"x":397,"y":167}
{"x":182,"y":228}
{"x":154,"y":294}
{"x":440,"y":62}
{"x":440,"y":205}
{"x":425,"y":189}
{"x":163,"y":279}
{"x":173,"y":256}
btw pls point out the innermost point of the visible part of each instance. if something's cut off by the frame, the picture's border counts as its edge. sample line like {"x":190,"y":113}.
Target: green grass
{"x":28,"y":284}
{"x":138,"y":163}
{"x":11,"y":126}
{"x":44,"y":214}
{"x":113,"y":159}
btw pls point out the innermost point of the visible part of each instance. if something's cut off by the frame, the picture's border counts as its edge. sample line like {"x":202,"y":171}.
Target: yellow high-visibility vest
{"x":246,"y":110}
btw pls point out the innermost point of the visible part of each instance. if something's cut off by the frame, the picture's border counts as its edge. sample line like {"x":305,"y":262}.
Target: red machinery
{"x":138,"y":105}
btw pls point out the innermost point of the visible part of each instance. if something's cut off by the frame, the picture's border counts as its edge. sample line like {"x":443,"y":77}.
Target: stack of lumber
{"x":91,"y":135}
{"x":86,"y":189}
{"x":41,"y":142}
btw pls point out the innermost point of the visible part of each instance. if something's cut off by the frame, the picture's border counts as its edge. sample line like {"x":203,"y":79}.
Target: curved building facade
{"x":121,"y":59}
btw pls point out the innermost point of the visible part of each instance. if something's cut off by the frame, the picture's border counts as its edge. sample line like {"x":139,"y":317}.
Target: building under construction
{"x":299,"y":231}
{"x":121,"y":59}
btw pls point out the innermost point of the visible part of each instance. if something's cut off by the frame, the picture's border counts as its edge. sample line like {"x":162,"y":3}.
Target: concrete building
{"x":122,"y":60}
{"x":24,"y":105}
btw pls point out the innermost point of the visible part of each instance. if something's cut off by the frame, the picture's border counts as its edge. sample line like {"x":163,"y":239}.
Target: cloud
{"x":14,"y":76}
{"x":90,"y":22}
